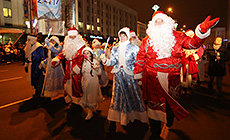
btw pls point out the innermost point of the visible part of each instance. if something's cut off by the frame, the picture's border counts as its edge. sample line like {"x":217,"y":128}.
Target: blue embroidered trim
{"x":137,"y":61}
{"x":191,"y":46}
{"x":165,"y":66}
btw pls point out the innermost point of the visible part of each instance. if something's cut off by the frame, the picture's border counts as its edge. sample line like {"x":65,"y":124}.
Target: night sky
{"x":188,"y":12}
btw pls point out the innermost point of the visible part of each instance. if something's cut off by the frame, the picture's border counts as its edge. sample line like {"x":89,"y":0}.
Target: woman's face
{"x":218,"y":41}
{"x":123,"y":37}
{"x":87,"y":53}
{"x":52,"y":41}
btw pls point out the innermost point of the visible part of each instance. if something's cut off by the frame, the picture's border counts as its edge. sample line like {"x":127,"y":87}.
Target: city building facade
{"x":103,"y":18}
{"x":93,"y":18}
{"x":141,"y":29}
{"x":11,"y":18}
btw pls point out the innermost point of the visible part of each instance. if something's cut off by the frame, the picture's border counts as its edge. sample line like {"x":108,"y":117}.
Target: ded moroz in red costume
{"x":72,"y":51}
{"x":158,"y":63}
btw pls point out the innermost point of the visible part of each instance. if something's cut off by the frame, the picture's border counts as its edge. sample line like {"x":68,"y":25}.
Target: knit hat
{"x":55,"y":39}
{"x":72,"y":31}
{"x":88,"y":49}
{"x":126,"y":30}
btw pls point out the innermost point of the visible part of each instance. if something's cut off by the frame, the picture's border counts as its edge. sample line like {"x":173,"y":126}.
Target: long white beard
{"x":162,"y":38}
{"x":71,"y":47}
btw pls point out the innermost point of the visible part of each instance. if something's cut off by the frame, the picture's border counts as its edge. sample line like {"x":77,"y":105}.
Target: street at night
{"x":209,"y":117}
{"x":114,"y":70}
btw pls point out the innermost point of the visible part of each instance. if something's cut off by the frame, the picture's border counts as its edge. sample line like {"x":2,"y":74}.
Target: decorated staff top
{"x":155,"y":7}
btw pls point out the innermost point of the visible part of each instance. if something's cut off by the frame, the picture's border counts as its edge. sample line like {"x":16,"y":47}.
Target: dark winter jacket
{"x":217,"y":67}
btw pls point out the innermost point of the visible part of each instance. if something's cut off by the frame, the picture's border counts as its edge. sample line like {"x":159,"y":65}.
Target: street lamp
{"x":170,"y":10}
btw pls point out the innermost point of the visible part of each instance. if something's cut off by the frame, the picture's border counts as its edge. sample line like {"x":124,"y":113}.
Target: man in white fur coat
{"x":72,"y":51}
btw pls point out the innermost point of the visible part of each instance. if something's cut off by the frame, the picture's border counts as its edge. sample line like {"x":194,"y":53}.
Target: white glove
{"x":47,"y":42}
{"x":42,"y":65}
{"x":103,"y":58}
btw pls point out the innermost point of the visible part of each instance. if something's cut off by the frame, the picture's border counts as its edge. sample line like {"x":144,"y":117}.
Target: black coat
{"x":217,"y":67}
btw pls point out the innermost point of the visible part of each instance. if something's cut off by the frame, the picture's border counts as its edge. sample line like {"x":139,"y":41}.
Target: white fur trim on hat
{"x":56,"y":39}
{"x":126,"y":30}
{"x":160,"y":15}
{"x":31,"y":37}
{"x":88,"y":49}
{"x":72,"y":33}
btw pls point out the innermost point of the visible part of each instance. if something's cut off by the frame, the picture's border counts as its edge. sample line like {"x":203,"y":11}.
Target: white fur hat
{"x":32,"y":37}
{"x":55,"y":39}
{"x":126,"y":30}
{"x":88,"y":49}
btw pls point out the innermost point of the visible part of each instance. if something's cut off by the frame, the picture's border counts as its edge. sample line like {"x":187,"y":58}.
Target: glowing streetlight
{"x":170,"y":10}
{"x":184,"y":26}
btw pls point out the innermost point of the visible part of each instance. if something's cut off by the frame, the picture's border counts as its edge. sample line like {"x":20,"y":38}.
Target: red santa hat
{"x":159,"y":14}
{"x":87,"y":49}
{"x":132,"y":34}
{"x":126,"y":30}
{"x":72,"y":31}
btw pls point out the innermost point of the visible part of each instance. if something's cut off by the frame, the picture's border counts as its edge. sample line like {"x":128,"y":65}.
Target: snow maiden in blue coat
{"x":126,"y":103}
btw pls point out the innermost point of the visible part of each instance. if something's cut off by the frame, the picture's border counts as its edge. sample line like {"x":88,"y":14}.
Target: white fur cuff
{"x":56,"y":60}
{"x":200,"y":35}
{"x":196,"y":57}
{"x":107,"y":62}
{"x":138,"y":76}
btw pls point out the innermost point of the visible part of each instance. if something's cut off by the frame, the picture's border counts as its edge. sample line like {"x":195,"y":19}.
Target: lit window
{"x":10,"y":13}
{"x":99,"y":29}
{"x":88,"y":27}
{"x":80,"y":24}
{"x":5,"y":12}
{"x":98,"y":20}
{"x":92,"y":28}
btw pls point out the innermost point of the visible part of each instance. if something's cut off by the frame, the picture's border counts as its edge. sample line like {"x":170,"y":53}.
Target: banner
{"x":34,"y":8}
{"x":57,"y":26}
{"x":26,"y":9}
{"x":49,"y":9}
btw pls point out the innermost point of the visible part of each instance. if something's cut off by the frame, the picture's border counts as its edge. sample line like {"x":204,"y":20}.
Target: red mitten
{"x":191,"y":58}
{"x":207,"y":23}
{"x":53,"y":63}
